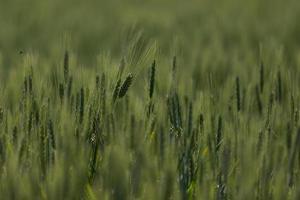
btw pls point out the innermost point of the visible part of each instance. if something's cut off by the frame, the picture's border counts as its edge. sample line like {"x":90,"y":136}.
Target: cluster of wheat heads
{"x":70,"y":133}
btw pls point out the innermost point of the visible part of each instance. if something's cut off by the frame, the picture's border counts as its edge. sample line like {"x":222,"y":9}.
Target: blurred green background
{"x":94,"y":26}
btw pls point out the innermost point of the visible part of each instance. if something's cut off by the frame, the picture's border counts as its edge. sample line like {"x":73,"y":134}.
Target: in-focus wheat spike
{"x":69,"y":87}
{"x":238,"y":94}
{"x":97,"y":81}
{"x":118,"y":81}
{"x":296,"y":116}
{"x":152,"y":79}
{"x":289,"y":137}
{"x":293,"y":157}
{"x":116,"y":90}
{"x":226,"y":161}
{"x":174,"y":64}
{"x":201,"y":123}
{"x":279,"y":87}
{"x":25,"y":86}
{"x":81,"y":105}
{"x":270,"y":106}
{"x":66,"y":66}
{"x":35,"y":110}
{"x":177,"y":111}
{"x":292,"y":108}
{"x":258,"y":100}
{"x":269,"y":111}
{"x":173,"y":80}
{"x":93,"y":161}
{"x":61,"y":92}
{"x":261,"y":77}
{"x":30,"y":84}
{"x":219,"y":134}
{"x":125,"y":86}
{"x":77,"y":102}
{"x":190,"y":119}
{"x":15,"y":134}
{"x":43,"y":151}
{"x":29,"y":123}
{"x":51,"y":134}
{"x":52,"y":141}
{"x":259,"y":142}
{"x":171,"y":111}
{"x":103,"y":96}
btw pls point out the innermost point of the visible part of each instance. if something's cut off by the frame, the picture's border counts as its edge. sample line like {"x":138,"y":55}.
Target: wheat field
{"x":154,"y":99}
